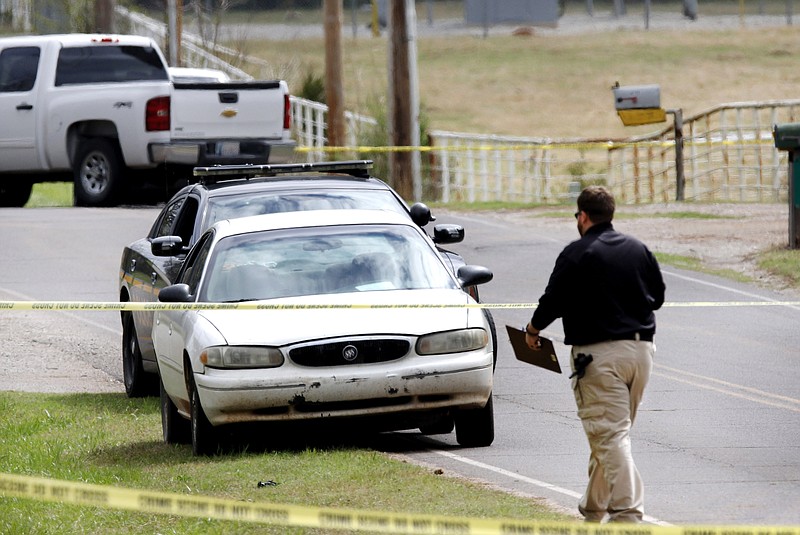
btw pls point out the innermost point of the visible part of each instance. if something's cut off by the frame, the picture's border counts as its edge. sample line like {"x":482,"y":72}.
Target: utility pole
{"x":334,"y":94}
{"x":174,"y":30}
{"x":400,"y":100}
{"x":104,"y":16}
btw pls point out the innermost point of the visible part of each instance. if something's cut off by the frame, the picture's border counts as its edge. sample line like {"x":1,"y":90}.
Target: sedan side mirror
{"x":176,"y":293}
{"x":167,"y":246}
{"x":473,"y":275}
{"x":421,"y":214}
{"x":448,"y":233}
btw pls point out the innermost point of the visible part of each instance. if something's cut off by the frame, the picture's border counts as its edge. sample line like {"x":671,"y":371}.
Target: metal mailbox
{"x":637,"y":97}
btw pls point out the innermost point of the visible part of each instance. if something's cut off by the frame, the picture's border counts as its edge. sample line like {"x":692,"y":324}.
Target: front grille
{"x":301,"y":405}
{"x":346,"y":352}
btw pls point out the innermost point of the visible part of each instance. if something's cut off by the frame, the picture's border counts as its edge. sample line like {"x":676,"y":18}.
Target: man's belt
{"x":643,"y":337}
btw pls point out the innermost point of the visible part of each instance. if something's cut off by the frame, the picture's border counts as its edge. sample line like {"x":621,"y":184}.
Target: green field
{"x":556,"y":86}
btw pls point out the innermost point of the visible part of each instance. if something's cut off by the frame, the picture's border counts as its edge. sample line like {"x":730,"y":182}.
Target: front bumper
{"x":294,"y":393}
{"x":223,"y":152}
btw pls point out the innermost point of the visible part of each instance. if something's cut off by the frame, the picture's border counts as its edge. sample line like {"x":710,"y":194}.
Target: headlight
{"x":452,"y":342}
{"x":241,"y":357}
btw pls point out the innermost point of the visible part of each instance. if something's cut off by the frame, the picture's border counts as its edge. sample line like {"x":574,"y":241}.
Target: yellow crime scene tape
{"x":255,"y":305}
{"x":584,"y":145}
{"x":86,"y":494}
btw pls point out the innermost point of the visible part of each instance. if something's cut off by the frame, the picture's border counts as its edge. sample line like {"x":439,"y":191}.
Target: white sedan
{"x":408,"y":355}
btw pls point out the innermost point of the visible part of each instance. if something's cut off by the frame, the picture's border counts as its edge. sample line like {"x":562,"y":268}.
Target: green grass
{"x":51,"y":194}
{"x":782,"y":263}
{"x":108,"y":439}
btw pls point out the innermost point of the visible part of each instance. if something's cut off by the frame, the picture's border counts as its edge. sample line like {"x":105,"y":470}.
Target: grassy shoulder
{"x":782,"y":263}
{"x":108,"y":439}
{"x":51,"y":194}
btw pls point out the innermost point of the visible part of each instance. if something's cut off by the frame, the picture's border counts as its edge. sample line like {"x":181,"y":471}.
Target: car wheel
{"x":475,"y":427}
{"x":15,"y":191}
{"x":175,"y":428}
{"x":98,"y":173}
{"x":204,"y":436}
{"x":493,"y":333}
{"x":138,"y":383}
{"x":442,"y":426}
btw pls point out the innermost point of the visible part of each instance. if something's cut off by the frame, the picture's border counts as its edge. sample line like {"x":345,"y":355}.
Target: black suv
{"x":231,"y":191}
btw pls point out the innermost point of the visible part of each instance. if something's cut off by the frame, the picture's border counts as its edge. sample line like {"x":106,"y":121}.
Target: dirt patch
{"x":730,"y":240}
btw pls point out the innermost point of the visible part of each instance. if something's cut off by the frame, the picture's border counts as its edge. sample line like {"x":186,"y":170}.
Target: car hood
{"x":415,"y":314}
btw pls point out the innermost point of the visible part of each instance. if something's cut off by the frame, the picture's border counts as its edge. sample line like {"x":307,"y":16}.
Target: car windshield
{"x":269,"y":202}
{"x":314,"y":261}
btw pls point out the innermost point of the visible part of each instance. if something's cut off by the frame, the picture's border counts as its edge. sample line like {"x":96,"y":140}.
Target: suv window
{"x":163,"y":227}
{"x":18,"y":68}
{"x":108,"y":64}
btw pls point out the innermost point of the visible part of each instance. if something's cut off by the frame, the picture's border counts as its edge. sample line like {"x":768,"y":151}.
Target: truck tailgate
{"x":232,"y":110}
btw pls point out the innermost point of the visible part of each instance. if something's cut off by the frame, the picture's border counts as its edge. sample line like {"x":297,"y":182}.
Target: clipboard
{"x":544,"y":357}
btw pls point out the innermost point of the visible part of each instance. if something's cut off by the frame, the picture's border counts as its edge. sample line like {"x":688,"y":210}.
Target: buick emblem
{"x":350,"y":353}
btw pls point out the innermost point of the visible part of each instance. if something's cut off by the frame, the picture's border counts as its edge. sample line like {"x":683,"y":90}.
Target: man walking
{"x":605,"y":287}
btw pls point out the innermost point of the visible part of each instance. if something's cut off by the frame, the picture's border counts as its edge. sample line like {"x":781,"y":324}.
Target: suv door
{"x":151,"y":273}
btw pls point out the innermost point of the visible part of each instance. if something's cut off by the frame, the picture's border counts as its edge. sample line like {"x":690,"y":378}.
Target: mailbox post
{"x":787,"y":137}
{"x":641,"y":104}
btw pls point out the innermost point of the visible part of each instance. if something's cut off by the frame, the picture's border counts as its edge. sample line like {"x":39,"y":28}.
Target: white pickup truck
{"x":100,"y":109}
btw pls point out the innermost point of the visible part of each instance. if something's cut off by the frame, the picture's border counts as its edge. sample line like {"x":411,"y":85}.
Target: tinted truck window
{"x":18,"y":68}
{"x":108,"y":64}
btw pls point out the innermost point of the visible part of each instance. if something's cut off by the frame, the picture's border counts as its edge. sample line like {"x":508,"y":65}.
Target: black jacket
{"x":604,"y":286}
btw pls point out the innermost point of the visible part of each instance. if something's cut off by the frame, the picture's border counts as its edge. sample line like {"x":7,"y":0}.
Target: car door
{"x":172,"y":327}
{"x":18,"y":108}
{"x":151,"y":273}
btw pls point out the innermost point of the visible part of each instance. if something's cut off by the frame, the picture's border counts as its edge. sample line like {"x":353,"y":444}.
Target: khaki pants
{"x":607,"y":397}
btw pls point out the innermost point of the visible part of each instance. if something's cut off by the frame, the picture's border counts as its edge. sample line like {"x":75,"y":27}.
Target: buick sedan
{"x":353,"y":315}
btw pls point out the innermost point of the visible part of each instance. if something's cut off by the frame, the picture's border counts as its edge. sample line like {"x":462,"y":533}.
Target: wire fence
{"x":729,"y":156}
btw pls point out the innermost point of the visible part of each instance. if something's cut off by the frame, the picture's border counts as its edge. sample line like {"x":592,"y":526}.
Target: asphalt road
{"x":717,"y":436}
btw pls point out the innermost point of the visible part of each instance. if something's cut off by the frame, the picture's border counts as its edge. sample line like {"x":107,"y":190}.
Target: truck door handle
{"x":228,"y":98}
{"x":25,"y":106}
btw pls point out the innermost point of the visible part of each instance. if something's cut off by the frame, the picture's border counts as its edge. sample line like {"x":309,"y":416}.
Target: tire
{"x":475,"y":427}
{"x":15,"y":191}
{"x":138,"y":383}
{"x":204,"y":437}
{"x":175,"y":428}
{"x":493,"y":333}
{"x":98,"y":173}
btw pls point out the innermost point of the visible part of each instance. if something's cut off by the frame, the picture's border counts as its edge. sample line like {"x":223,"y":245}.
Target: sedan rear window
{"x":298,"y":262}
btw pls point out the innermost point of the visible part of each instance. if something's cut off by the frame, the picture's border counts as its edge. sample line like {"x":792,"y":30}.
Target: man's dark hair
{"x":598,"y":203}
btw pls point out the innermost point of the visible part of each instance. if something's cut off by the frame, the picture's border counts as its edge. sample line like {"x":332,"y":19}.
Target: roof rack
{"x":355,"y":168}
